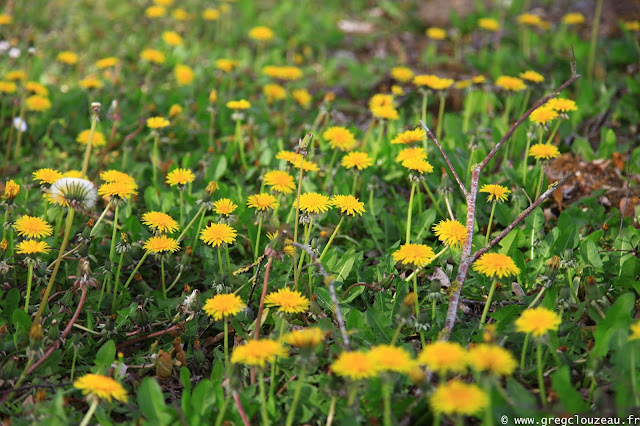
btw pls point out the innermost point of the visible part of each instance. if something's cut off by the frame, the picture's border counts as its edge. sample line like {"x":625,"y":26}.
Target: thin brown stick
{"x":243,"y":415}
{"x":329,"y":282}
{"x":467,"y":258}
{"x":446,"y":158}
{"x":148,"y":336}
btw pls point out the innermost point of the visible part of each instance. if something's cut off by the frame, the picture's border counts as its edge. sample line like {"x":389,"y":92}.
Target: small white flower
{"x":14,"y":52}
{"x":4,"y":45}
{"x":20,"y":124}
{"x":190,"y":299}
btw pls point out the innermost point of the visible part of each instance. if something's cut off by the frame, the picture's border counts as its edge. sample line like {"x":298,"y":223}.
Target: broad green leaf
{"x":618,"y":315}
{"x":569,"y":397}
{"x":152,"y":404}
{"x":106,"y":355}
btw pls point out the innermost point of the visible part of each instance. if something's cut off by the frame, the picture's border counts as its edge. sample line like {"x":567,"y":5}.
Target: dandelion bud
{"x":4,"y":244}
{"x":489,"y":333}
{"x":11,"y":190}
{"x":95,"y":108}
{"x":35,"y":333}
{"x":213,"y":96}
{"x":212,"y":187}
{"x":410,"y":299}
{"x":416,"y":375}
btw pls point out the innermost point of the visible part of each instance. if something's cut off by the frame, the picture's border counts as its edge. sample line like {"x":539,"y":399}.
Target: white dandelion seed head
{"x":76,"y":192}
{"x":14,"y":52}
{"x":20,"y":124}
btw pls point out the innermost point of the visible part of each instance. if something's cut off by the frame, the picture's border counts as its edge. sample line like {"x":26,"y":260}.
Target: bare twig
{"x":521,"y":217}
{"x":149,"y":336}
{"x":467,"y":258}
{"x":332,"y":290}
{"x":446,"y":158}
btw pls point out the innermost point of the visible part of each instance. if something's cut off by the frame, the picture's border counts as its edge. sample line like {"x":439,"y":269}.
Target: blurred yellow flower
{"x":435,"y":33}
{"x":261,"y":33}
{"x":66,"y":57}
{"x":172,"y":38}
{"x":153,"y":56}
{"x":184,"y":74}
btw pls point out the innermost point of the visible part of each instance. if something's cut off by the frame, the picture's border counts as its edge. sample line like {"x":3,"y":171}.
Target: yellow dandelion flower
{"x":307,"y":166}
{"x":635,"y":331}
{"x":172,"y":38}
{"x":288,"y":301}
{"x":339,"y":137}
{"x":561,"y":105}
{"x":541,"y":151}
{"x":46,"y":176}
{"x":90,"y":83}
{"x":348,"y":204}
{"x":180,"y":14}
{"x":213,"y":96}
{"x":380,"y":100}
{"x":37,"y":103}
{"x":74,"y":174}
{"x":157,"y":122}
{"x":496,"y":264}
{"x":122,"y":190}
{"x":358,"y":159}
{"x":478,"y":79}
{"x":488,"y":24}
{"x":417,"y":164}
{"x":631,"y":26}
{"x":392,"y":358}
{"x":223,"y":305}
{"x":574,"y":18}
{"x":397,"y":90}
{"x":451,"y":232}
{"x":496,"y":192}
{"x":355,"y":365}
{"x":543,"y":115}
{"x":463,"y":84}
{"x":161,"y":244}
{"x":409,"y":136}
{"x":218,"y":234}
{"x":36,"y":88}
{"x":11,"y":189}
{"x":401,"y":74}
{"x":107,"y":62}
{"x":17,"y":75}
{"x":456,"y":397}
{"x":224,"y":206}
{"x":180,"y":177}
{"x":513,"y":84}
{"x":312,"y":202}
{"x":538,"y":321}
{"x":100,"y":386}
{"x":286,"y":72}
{"x":385,"y":112}
{"x":8,"y":87}
{"x":288,"y":156}
{"x":261,"y":33}
{"x":435,"y":33}
{"x":274,"y":92}
{"x":414,"y":254}
{"x":444,"y":357}
{"x":306,"y":338}
{"x":415,"y":152}
{"x":210,"y":14}
{"x":262,"y":202}
{"x":532,"y":76}
{"x":32,"y":227}
{"x":242,"y":104}
{"x":432,"y":81}
{"x":175,"y":110}
{"x":153,"y":56}
{"x":163,"y":2}
{"x":258,"y":352}
{"x":184,"y":74}
{"x":280,"y":181}
{"x":159,"y":222}
{"x":98,"y":138}
{"x":529,"y":19}
{"x":5,"y":19}
{"x":155,"y":12}
{"x":226,"y":65}
{"x":116,"y":176}
{"x":29,"y":247}
{"x":302,"y":97}
{"x":491,"y":358}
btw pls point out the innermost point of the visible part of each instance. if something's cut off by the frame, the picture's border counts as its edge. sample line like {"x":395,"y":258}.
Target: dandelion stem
{"x":212,"y":117}
{"x":87,"y":152}
{"x":355,"y":184}
{"x":378,"y":143}
{"x":7,"y":153}
{"x":415,"y":290}
{"x":117,"y":283}
{"x":543,"y":397}
{"x":102,"y":215}
{"x":329,"y":177}
{"x":296,"y":397}
{"x":396,"y":333}
{"x":595,"y":27}
{"x":423,"y":114}
{"x":523,"y":356}
{"x":540,"y":179}
{"x":184,"y":231}
{"x":409,"y":212}
{"x":226,"y":344}
{"x":63,"y":245}
{"x":333,"y":235}
{"x":295,"y":229}
{"x":634,"y":383}
{"x":493,"y":209}
{"x":220,"y":262}
{"x":181,"y":207}
{"x":435,"y":203}
{"x":263,"y":400}
{"x":164,"y":288}
{"x":487,"y":305}
{"x":29,"y":279}
{"x":386,"y":392}
{"x":440,"y":124}
{"x":240,"y":144}
{"x":156,"y":156}
{"x":307,"y":236}
{"x":256,"y":247}
{"x":92,"y":409}
{"x":198,"y":229}
{"x":553,"y":132}
{"x":112,"y":249}
{"x":135,"y":270}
